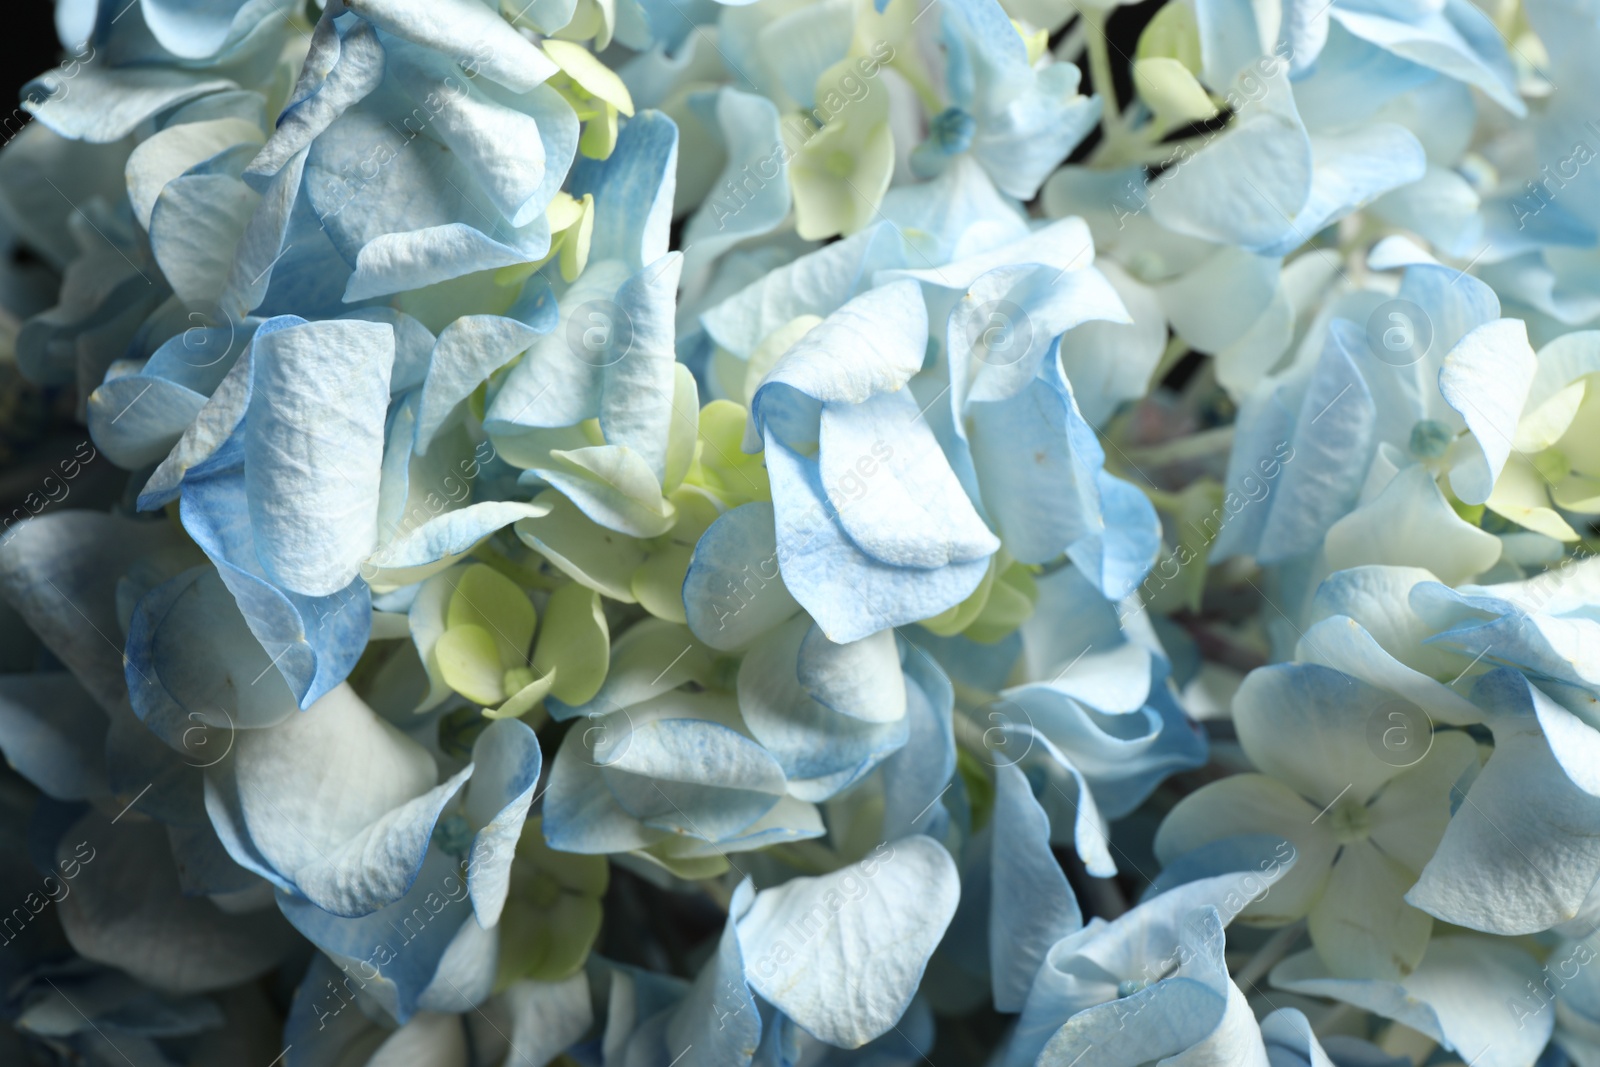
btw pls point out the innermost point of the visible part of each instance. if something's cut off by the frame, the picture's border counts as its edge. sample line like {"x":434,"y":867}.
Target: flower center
{"x":453,"y":834}
{"x":952,"y":130}
{"x":1430,"y":438}
{"x":1349,"y":822}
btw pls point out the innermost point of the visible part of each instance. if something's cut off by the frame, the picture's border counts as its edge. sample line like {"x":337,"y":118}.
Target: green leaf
{"x":486,"y":598}
{"x":576,"y":640}
{"x":469,"y":662}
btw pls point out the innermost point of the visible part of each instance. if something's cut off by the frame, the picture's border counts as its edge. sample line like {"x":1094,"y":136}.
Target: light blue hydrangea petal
{"x":916,"y":777}
{"x":809,"y":740}
{"x":555,"y":384}
{"x":349,"y":843}
{"x":469,"y":31}
{"x":580,"y":812}
{"x":853,"y":980}
{"x":1517,"y":856}
{"x":1458,"y":996}
{"x":467,"y":351}
{"x":1459,"y":42}
{"x":421,"y":217}
{"x":194,"y":663}
{"x":506,"y":763}
{"x":1486,"y":378}
{"x":1342,"y":643}
{"x":1085,"y":969}
{"x":1305,"y":31}
{"x":633,"y":191}
{"x":734,"y":591}
{"x":192,"y":29}
{"x":1212,"y":305}
{"x":1071,"y":619}
{"x":390,"y":955}
{"x":751,"y":197}
{"x":988,"y":61}
{"x":101,"y":104}
{"x":1107,"y":527}
{"x":1020,"y":145}
{"x":1331,"y":443}
{"x":197,"y":222}
{"x":1029,"y":307}
{"x":689,"y":776}
{"x":849,"y":593}
{"x":1121,"y":756}
{"x":861,"y":679}
{"x":1109,"y":361}
{"x":914,"y":513}
{"x":313,"y":449}
{"x":870,"y":346}
{"x":1299,"y":723}
{"x":497,"y":141}
{"x":443,"y":539}
{"x":636,"y":395}
{"x":1290,"y":1041}
{"x":1348,"y":171}
{"x":157,"y":413}
{"x":1200,"y":1016}
{"x":817,"y":283}
{"x":1205,"y":196}
{"x":314,"y":641}
{"x":344,"y":64}
{"x":547,"y":1018}
{"x":957,"y":214}
{"x":1230,"y":37}
{"x":173,"y":151}
{"x":1032,"y":906}
{"x":717,"y":1021}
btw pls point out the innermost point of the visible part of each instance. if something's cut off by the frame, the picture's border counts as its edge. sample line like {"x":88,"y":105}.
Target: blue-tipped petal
{"x":852,"y":981}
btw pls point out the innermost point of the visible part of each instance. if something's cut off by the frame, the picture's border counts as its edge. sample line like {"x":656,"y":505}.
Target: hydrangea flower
{"x":833,"y":532}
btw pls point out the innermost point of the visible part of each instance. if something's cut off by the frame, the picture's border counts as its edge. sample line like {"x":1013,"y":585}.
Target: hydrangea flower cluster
{"x":842,"y":533}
